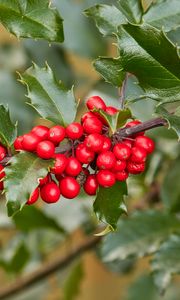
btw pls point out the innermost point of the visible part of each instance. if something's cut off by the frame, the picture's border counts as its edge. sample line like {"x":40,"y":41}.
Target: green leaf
{"x":22,"y":178}
{"x":166,"y":262}
{"x":165,"y":14}
{"x":8,"y":130}
{"x":32,"y":19}
{"x":170,"y":190}
{"x":107,"y":18}
{"x":32,"y":218}
{"x":139,"y":235}
{"x":48,"y":96}
{"x":131,"y":9}
{"x":18,"y":260}
{"x":146,"y":4}
{"x":172,"y":119}
{"x":109,"y":203}
{"x":73,"y":282}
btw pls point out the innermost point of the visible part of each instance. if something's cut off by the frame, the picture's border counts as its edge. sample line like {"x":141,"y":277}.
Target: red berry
{"x":87,"y":115}
{"x":45,"y":149}
{"x":84,"y":155}
{"x":50,"y":192}
{"x":134,"y":123}
{"x":121,"y":175}
{"x":110,"y":110}
{"x":43,"y":181}
{"x":2,"y":175}
{"x":145,"y":142}
{"x":135,"y":168}
{"x":106,"y":178}
{"x":73,"y":167}
{"x":56,"y":134}
{"x":74,"y":131}
{"x":129,"y":143}
{"x":122,"y":151}
{"x":91,"y":185}
{"x":107,"y":144}
{"x":138,"y":154}
{"x":30,"y":142}
{"x":41,"y":131}
{"x":18,"y":143}
{"x":85,"y":171}
{"x":95,"y":102}
{"x":34,"y":197}
{"x":69,"y":187}
{"x":94,"y":142}
{"x":92,"y":125}
{"x":120,"y":165}
{"x":2,"y":153}
{"x":60,"y":164}
{"x":106,"y":160}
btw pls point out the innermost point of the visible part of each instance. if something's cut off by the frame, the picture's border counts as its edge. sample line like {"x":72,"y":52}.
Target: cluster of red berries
{"x":93,"y":160}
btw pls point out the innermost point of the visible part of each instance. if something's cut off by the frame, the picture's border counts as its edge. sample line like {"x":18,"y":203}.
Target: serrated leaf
{"x":32,"y":19}
{"x":72,"y":285}
{"x":107,"y":18}
{"x":173,"y":119}
{"x":117,"y":120}
{"x":139,"y":235}
{"x":8,"y":130}
{"x":166,"y":262}
{"x":147,"y":53}
{"x":170,"y":189}
{"x":131,"y":9}
{"x":32,"y":218}
{"x":48,"y":96}
{"x":165,"y":14}
{"x":109,"y":203}
{"x":22,"y":178}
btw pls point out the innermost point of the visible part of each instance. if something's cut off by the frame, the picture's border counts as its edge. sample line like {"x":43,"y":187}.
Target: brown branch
{"x":60,"y":263}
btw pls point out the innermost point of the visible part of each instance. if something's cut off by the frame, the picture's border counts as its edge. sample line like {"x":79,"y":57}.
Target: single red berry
{"x":50,"y":192}
{"x":121,"y":175}
{"x":73,"y":167}
{"x":135,"y":168}
{"x":107,"y":144}
{"x":95,"y":102}
{"x":56,"y":134}
{"x":2,"y":152}
{"x":69,"y":187}
{"x":34,"y":197}
{"x":41,"y":131}
{"x":122,"y":151}
{"x":18,"y":143}
{"x":134,"y":123}
{"x":60,"y":164}
{"x":84,"y":155}
{"x":106,"y":178}
{"x":1,"y":185}
{"x":129,"y":143}
{"x":120,"y":165}
{"x":110,"y":110}
{"x":94,"y":142}
{"x":45,"y":149}
{"x":2,"y":175}
{"x":87,"y":115}
{"x":92,"y":125}
{"x":91,"y":185}
{"x":74,"y":131}
{"x":138,"y":154}
{"x":30,"y":142}
{"x":106,"y":160}
{"x":43,"y":181}
{"x":145,"y":142}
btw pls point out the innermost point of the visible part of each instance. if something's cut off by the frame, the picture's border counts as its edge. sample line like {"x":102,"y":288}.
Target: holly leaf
{"x":147,"y":53}
{"x":166,"y":262}
{"x":131,"y":9}
{"x":72,"y":285}
{"x":8,"y":130}
{"x":32,"y":19}
{"x":22,"y":176}
{"x":109,"y":204}
{"x":172,"y":119}
{"x":139,"y":235}
{"x":32,"y":218}
{"x":48,"y":96}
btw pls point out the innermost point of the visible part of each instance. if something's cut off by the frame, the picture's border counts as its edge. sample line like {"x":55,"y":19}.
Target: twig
{"x":60,"y":263}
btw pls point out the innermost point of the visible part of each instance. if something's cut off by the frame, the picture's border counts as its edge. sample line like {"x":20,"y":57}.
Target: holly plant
{"x":101,"y":152}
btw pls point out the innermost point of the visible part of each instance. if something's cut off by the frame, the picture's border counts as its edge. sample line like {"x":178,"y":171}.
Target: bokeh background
{"x":24,"y":247}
